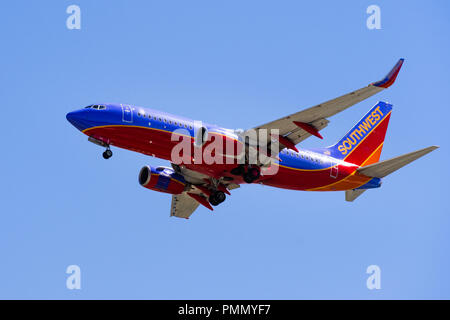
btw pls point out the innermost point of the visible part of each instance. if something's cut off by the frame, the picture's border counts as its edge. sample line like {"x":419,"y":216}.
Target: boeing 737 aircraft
{"x":351,"y":165}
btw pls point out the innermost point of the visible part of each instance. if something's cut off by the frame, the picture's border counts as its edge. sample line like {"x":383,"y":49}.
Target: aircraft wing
{"x":298,"y":126}
{"x":183,"y":205}
{"x":351,"y":195}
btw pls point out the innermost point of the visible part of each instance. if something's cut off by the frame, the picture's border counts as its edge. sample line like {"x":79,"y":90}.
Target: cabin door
{"x":334,"y":171}
{"x":127,"y":114}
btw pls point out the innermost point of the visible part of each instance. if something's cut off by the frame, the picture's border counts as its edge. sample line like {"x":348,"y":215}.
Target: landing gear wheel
{"x":255,"y":172}
{"x":248,"y":178}
{"x":217,"y":198}
{"x":107,"y":154}
{"x":252,"y":174}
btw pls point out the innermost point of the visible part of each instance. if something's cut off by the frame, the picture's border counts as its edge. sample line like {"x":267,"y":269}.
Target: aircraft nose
{"x":74,"y":115}
{"x":77,"y":118}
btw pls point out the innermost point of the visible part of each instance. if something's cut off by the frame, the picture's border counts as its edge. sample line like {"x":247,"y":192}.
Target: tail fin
{"x":363,"y":143}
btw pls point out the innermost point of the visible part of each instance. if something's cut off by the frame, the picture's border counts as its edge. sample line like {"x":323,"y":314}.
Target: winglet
{"x":391,"y":76}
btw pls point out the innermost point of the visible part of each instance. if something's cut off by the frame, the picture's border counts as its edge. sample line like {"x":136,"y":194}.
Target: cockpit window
{"x":96,"y":107}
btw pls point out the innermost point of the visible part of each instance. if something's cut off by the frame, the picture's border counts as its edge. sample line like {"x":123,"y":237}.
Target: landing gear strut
{"x":216,"y":198}
{"x":107,"y":154}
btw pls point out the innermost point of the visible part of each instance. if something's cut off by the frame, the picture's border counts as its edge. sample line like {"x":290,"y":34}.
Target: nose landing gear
{"x":107,"y":154}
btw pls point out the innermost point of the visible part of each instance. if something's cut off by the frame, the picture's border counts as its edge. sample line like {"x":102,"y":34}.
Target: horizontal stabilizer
{"x":351,"y":195}
{"x":383,"y":168}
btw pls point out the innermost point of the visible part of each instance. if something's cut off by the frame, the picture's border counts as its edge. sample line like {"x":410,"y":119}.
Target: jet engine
{"x":162,"y":179}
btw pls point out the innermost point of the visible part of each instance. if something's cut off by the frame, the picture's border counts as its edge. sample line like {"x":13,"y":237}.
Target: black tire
{"x":217,"y":198}
{"x":220,"y":196}
{"x":248,"y":178}
{"x":254,"y":172}
{"x":213,"y":200}
{"x":107,"y":154}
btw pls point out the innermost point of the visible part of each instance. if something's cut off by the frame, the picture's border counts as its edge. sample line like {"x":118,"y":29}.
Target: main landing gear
{"x":217,"y":197}
{"x":250,"y":175}
{"x":107,"y":154}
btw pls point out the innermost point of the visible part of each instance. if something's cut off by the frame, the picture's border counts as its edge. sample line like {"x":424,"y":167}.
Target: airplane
{"x":351,"y":165}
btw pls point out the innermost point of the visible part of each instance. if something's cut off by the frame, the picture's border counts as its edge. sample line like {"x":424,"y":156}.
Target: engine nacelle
{"x":162,"y":179}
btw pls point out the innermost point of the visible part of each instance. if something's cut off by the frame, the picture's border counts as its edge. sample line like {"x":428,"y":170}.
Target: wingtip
{"x":429,"y":149}
{"x":391,"y":76}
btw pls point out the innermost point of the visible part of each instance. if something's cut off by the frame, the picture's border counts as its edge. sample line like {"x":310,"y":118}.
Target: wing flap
{"x":299,"y":134}
{"x":183,"y":206}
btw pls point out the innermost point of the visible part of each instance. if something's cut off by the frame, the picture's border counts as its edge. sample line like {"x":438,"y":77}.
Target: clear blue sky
{"x":236,"y":64}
